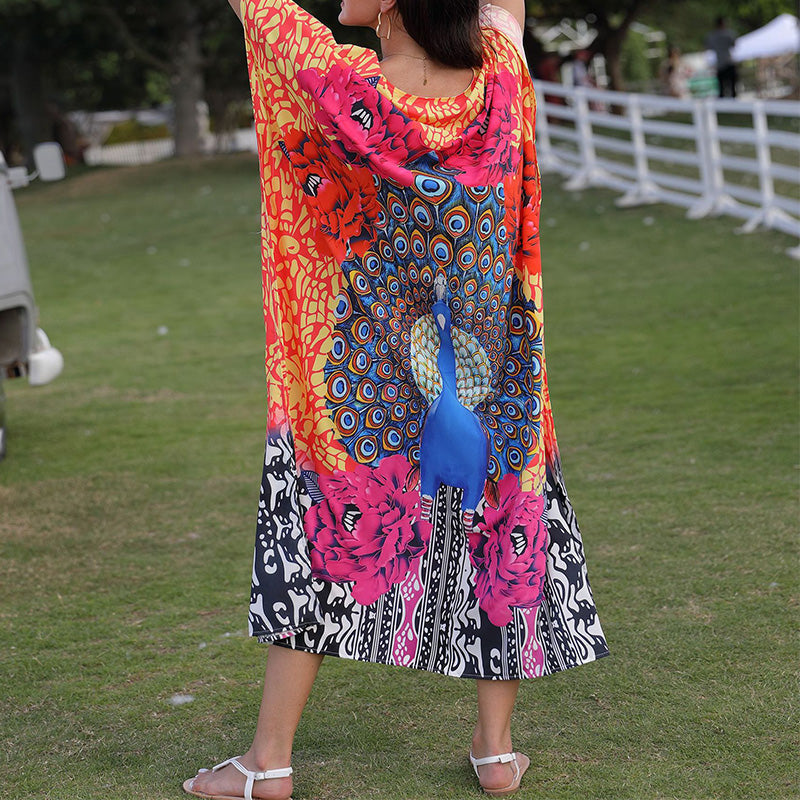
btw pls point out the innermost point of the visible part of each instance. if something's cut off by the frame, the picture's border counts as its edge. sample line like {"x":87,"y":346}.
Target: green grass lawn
{"x":128,"y":500}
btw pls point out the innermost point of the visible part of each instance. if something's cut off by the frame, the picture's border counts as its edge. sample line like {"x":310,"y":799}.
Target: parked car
{"x":25,"y":349}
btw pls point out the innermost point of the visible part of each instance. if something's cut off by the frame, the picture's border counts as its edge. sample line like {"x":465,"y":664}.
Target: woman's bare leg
{"x":288,"y":679}
{"x":492,"y":734}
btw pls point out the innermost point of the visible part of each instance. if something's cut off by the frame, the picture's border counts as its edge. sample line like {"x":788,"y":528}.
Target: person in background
{"x":721,"y":40}
{"x":580,"y":69}
{"x":674,"y":77}
{"x":547,"y":67}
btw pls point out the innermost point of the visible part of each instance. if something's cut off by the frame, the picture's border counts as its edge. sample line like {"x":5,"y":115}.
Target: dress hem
{"x":281,"y":642}
{"x":274,"y":637}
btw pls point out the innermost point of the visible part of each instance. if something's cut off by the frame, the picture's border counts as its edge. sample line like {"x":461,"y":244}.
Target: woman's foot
{"x":229,"y":781}
{"x":497,"y":776}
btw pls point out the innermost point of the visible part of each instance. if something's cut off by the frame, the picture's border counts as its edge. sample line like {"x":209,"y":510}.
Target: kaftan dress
{"x":413,"y":509}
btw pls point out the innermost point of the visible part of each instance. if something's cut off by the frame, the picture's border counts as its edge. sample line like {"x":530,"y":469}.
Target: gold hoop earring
{"x":378,"y":28}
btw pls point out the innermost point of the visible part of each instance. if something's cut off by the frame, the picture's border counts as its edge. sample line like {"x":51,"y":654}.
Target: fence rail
{"x":130,"y":153}
{"x":710,"y":156}
{"x":134,"y":154}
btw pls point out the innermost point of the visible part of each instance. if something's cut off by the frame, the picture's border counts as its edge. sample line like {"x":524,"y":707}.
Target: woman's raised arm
{"x":515,"y":7}
{"x":236,"y":6}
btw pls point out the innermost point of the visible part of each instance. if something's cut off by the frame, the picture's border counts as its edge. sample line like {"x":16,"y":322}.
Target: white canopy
{"x":776,"y":38}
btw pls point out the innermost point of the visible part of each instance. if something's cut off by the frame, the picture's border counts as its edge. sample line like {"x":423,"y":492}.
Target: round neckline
{"x":395,"y":92}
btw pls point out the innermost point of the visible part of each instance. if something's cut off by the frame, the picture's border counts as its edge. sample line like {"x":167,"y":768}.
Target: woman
{"x":673,"y":74}
{"x":413,"y":510}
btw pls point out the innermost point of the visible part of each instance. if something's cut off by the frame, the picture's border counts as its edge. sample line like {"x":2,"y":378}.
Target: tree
{"x":688,"y":28}
{"x":685,"y":21}
{"x":755,"y":13}
{"x":25,"y":39}
{"x":54,"y":55}
{"x":102,"y":53}
{"x":168,"y":37}
{"x":611,"y":18}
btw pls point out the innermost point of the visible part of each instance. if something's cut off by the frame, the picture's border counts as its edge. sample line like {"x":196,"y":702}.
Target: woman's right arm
{"x":515,"y":7}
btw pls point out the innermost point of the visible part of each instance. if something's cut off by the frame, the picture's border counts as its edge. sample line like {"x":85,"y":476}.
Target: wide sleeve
{"x":504,"y":22}
{"x":282,"y":41}
{"x":507,"y":44}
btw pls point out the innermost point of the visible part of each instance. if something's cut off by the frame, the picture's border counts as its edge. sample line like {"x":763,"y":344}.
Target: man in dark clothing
{"x":721,"y":40}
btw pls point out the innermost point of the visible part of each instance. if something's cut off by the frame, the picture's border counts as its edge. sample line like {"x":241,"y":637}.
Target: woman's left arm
{"x":237,"y":8}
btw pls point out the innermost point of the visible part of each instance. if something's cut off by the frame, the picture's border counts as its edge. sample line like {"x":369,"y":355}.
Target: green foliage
{"x":64,"y":11}
{"x":133,"y":131}
{"x":688,"y":25}
{"x":101,"y":54}
{"x":754,"y":13}
{"x":128,"y":500}
{"x":637,"y":68}
{"x":157,"y":87}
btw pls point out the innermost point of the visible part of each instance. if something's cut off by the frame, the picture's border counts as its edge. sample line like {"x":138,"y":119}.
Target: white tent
{"x":776,"y":38}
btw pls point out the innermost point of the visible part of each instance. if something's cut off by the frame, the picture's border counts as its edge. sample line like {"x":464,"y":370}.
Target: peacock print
{"x":382,"y":374}
{"x":454,"y":445}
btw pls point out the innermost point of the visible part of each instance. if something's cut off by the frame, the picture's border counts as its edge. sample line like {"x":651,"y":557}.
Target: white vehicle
{"x":24,"y":347}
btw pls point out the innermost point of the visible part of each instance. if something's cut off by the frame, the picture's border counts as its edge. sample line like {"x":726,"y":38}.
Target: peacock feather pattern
{"x":378,"y":390}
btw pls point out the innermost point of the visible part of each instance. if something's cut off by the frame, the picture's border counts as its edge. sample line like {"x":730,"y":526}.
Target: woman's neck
{"x":401,"y":44}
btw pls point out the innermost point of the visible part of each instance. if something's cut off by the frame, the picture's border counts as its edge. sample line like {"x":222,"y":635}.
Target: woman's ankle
{"x":490,"y":744}
{"x":263,"y":759}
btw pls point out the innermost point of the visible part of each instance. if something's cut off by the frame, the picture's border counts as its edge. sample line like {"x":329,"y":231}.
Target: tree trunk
{"x":28,"y":91}
{"x":613,"y":55}
{"x":187,"y":80}
{"x":611,"y":40}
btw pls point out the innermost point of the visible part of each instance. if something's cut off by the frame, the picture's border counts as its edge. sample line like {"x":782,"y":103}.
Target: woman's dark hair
{"x":447,"y":30}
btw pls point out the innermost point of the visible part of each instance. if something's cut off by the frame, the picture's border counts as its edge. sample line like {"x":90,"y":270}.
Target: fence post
{"x":767,"y":213}
{"x":544,"y":147}
{"x":589,"y":174}
{"x":644,"y":191}
{"x":715,"y":200}
{"x":705,"y":202}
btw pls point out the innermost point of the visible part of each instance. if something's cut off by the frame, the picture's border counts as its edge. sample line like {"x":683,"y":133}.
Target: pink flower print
{"x":368,"y":528}
{"x":489,"y":148}
{"x":325,"y":530}
{"x":361,"y":124}
{"x":509,"y":552}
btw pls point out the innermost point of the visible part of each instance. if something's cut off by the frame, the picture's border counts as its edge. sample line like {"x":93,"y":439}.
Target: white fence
{"x":710,"y":156}
{"x":135,"y":154}
{"x":131,"y":154}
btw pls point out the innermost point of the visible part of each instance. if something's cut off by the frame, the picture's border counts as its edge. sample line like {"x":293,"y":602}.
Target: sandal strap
{"x":503,"y":758}
{"x":281,"y":772}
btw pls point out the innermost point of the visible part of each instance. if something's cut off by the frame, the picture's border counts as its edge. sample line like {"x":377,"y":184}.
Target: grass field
{"x":128,"y":499}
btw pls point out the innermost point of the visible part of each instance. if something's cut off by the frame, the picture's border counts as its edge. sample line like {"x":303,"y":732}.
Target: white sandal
{"x":503,"y":758}
{"x":252,"y":777}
